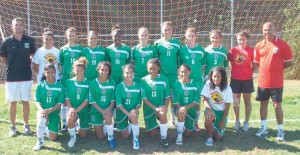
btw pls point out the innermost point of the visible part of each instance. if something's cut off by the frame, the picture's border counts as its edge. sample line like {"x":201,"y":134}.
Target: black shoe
{"x":64,"y":128}
{"x":164,"y":143}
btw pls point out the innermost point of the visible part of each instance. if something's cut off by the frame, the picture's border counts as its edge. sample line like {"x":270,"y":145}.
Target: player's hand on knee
{"x":182,"y":111}
{"x":44,"y":113}
{"x":210,"y":115}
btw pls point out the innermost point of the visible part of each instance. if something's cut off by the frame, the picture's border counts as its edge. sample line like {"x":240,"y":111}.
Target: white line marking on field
{"x":270,"y":120}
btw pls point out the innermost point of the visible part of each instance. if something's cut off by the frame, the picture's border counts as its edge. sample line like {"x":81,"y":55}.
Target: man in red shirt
{"x":272,"y":55}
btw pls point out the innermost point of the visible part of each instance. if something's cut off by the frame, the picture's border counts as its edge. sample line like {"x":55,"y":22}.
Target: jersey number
{"x":117,"y":61}
{"x":49,"y":99}
{"x":186,"y":99}
{"x":127,"y":102}
{"x":215,"y":62}
{"x":78,"y":96}
{"x":93,"y":62}
{"x":143,"y":60}
{"x":153,"y":93}
{"x":72,"y":60}
{"x":103,"y":98}
{"x":168,"y":53}
{"x":193,"y":61}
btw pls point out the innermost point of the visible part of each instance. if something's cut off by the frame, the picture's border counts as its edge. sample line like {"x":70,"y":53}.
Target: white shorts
{"x":18,"y":91}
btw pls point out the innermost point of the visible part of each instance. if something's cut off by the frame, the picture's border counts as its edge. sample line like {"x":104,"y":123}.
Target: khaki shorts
{"x":18,"y":91}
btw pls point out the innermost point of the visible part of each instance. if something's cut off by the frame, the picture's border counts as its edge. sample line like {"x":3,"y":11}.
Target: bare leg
{"x":26,"y":111}
{"x":13,"y":112}
{"x":248,"y":106}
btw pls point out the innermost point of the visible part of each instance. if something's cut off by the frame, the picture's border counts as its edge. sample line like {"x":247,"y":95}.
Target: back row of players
{"x":106,"y":75}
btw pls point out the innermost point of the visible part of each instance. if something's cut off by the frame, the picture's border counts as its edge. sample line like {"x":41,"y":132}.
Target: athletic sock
{"x":163,"y":130}
{"x":72,"y":133}
{"x":180,"y":126}
{"x":264,"y":124}
{"x":110,"y":131}
{"x":135,"y":131}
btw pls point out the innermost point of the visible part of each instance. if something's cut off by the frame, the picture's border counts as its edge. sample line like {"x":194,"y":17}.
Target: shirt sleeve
{"x":139,"y":100}
{"x":228,"y":95}
{"x":61,"y":57}
{"x":167,"y":89}
{"x":3,"y":50}
{"x":180,"y":57}
{"x":256,"y":54}
{"x":203,"y":61}
{"x":230,"y":54}
{"x":197,"y":94}
{"x":35,"y":58}
{"x":92,"y":93}
{"x":32,"y":46}
{"x":175,"y":95}
{"x":154,"y":53}
{"x":205,"y":91}
{"x":118,"y":96}
{"x":66,"y":90}
{"x":61,"y":97}
{"x":38,"y":94}
{"x":226,"y":60}
{"x":132,"y":54}
{"x":287,"y":52}
{"x":143,"y":90}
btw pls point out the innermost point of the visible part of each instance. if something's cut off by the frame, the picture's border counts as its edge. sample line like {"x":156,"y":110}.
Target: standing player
{"x":118,"y":54}
{"x":49,"y":98}
{"x":272,"y":55}
{"x":168,"y":49}
{"x":156,"y":96}
{"x":141,"y":53}
{"x":102,"y":97}
{"x":186,"y":95}
{"x":216,"y":54}
{"x":67,"y":56}
{"x":241,"y":59}
{"x":193,"y":55}
{"x":45,"y":55}
{"x":217,"y":98}
{"x":76,"y":98}
{"x":94,"y":54}
{"x":128,"y":101}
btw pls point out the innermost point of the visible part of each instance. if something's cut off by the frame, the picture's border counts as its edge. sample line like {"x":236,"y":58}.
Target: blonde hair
{"x":216,"y":31}
{"x":72,"y":29}
{"x":143,"y":29}
{"x":82,"y":62}
{"x":243,"y":33}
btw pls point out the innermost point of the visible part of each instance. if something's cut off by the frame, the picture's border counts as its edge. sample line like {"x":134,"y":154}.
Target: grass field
{"x":233,"y":142}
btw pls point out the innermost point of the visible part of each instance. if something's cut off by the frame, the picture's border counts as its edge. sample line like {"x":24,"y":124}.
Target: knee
{"x":42,"y":122}
{"x":219,"y":138}
{"x":82,"y":133}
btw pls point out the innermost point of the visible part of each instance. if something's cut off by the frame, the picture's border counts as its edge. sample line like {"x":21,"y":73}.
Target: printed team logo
{"x":49,"y":93}
{"x":153,"y":86}
{"x":128,"y":95}
{"x":186,"y":93}
{"x":275,"y":50}
{"x":193,"y":55}
{"x":117,"y":55}
{"x":142,"y":54}
{"x":78,"y":90}
{"x":216,"y":97}
{"x":103,"y":91}
{"x":216,"y":56}
{"x":50,"y":58}
{"x":72,"y":54}
{"x":26,"y":45}
{"x":93,"y":56}
{"x":240,"y":58}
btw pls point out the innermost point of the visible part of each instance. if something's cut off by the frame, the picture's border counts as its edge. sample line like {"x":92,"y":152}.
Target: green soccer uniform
{"x":156,"y":90}
{"x":118,"y":57}
{"x":185,"y":94}
{"x":129,"y":97}
{"x":215,"y":57}
{"x":140,"y":56}
{"x":168,"y":56}
{"x":67,"y":56}
{"x":48,"y":95}
{"x":195,"y":59}
{"x":101,"y":94}
{"x":77,"y":92}
{"x":94,"y":56}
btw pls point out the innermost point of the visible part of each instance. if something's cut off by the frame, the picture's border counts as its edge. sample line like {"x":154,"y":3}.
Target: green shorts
{"x":172,"y":78}
{"x":150,"y":118}
{"x":117,"y":79}
{"x":84,"y":120}
{"x":64,"y":78}
{"x":189,"y":122}
{"x":54,"y":122}
{"x":122,"y":120}
{"x":219,"y":117}
{"x":97,"y":118}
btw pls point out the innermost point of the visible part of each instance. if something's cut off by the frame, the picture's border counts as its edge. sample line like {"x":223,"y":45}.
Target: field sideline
{"x":233,"y":143}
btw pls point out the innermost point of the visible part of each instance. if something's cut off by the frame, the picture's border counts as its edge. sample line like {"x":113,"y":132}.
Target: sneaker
{"x":136,"y":144}
{"x":172,"y":125}
{"x":245,"y":126}
{"x":280,"y":135}
{"x":209,"y":142}
{"x":112,"y":144}
{"x":237,"y":126}
{"x":12,"y":131}
{"x":64,"y":127}
{"x":261,"y":131}
{"x":179,"y":140}
{"x":38,"y":146}
{"x":197,"y":128}
{"x":27,"y":130}
{"x":72,"y":142}
{"x":164,"y":143}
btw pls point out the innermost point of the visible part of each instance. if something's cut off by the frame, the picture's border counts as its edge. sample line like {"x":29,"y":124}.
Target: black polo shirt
{"x":17,"y":54}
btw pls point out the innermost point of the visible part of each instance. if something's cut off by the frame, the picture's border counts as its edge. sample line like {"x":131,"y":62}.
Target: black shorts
{"x":264,"y":94}
{"x":241,"y":86}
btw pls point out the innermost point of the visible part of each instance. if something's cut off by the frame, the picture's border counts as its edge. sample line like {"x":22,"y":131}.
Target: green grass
{"x":233,"y":142}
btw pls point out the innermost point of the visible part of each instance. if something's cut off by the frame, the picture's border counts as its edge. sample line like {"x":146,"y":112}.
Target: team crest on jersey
{"x":216,"y":97}
{"x":216,"y":56}
{"x":93,"y":56}
{"x":186,"y":93}
{"x":275,"y":50}
{"x":193,"y":55}
{"x":117,"y":55}
{"x":153,"y":86}
{"x":26,"y":45}
{"x":49,"y":93}
{"x":240,"y":58}
{"x":128,"y":95}
{"x":142,"y":54}
{"x":78,"y":90}
{"x":103,"y":91}
{"x":72,"y":54}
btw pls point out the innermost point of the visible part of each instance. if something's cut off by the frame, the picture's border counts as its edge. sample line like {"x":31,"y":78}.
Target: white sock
{"x":172,"y":114}
{"x":163,"y":131}
{"x":198,"y":116}
{"x":40,"y":130}
{"x":64,"y":110}
{"x":129,"y":128}
{"x":264,"y":124}
{"x":280,"y":126}
{"x":72,"y":133}
{"x":104,"y":130}
{"x":180,"y":126}
{"x":47,"y":131}
{"x":110,"y":131}
{"x":135,"y":131}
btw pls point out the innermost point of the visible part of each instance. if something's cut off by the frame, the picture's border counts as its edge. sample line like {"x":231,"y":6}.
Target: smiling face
{"x":79,"y":71}
{"x":17,"y":27}
{"x":217,"y":78}
{"x":48,"y":41}
{"x":184,"y":73}
{"x":268,"y":31}
{"x":92,"y":40}
{"x":242,"y":41}
{"x":215,"y":39}
{"x":116,"y":37}
{"x":72,"y":37}
{"x":166,"y":30}
{"x":190,"y":37}
{"x":143,"y":36}
{"x":50,"y":74}
{"x":104,"y":72}
{"x":153,"y":69}
{"x":128,"y":73}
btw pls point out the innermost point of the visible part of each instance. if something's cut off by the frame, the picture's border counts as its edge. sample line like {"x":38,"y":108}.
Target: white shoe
{"x":179,"y":140}
{"x":209,"y":142}
{"x":38,"y":146}
{"x":280,"y":135}
{"x":72,"y":142}
{"x":245,"y":126}
{"x":136,"y":144}
{"x":237,"y":126}
{"x":261,"y":132}
{"x":12,"y":131}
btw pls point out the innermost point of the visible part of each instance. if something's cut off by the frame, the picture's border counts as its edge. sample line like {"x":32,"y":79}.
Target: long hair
{"x":224,"y":81}
{"x":48,"y":66}
{"x":154,"y":61}
{"x":104,"y":63}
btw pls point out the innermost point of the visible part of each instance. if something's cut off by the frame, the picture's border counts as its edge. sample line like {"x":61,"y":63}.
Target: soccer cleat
{"x":112,"y":143}
{"x":12,"y":131}
{"x":245,"y":126}
{"x":64,"y":127}
{"x":164,"y":143}
{"x":37,"y":146}
{"x":261,"y":131}
{"x":237,"y":126}
{"x":209,"y":142}
{"x":179,"y":140}
{"x":27,"y":130}
{"x":197,"y":128}
{"x":280,"y":135}
{"x":72,"y":142}
{"x":136,"y":144}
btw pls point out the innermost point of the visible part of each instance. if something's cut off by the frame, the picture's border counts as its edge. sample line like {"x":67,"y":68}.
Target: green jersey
{"x":118,"y":57}
{"x":77,"y":92}
{"x":94,"y":56}
{"x":140,"y":56}
{"x":128,"y":96}
{"x":101,"y":94}
{"x":215,"y":57}
{"x":194,"y":58}
{"x":67,"y":56}
{"x":48,"y":95}
{"x":168,"y":54}
{"x":186,"y":93}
